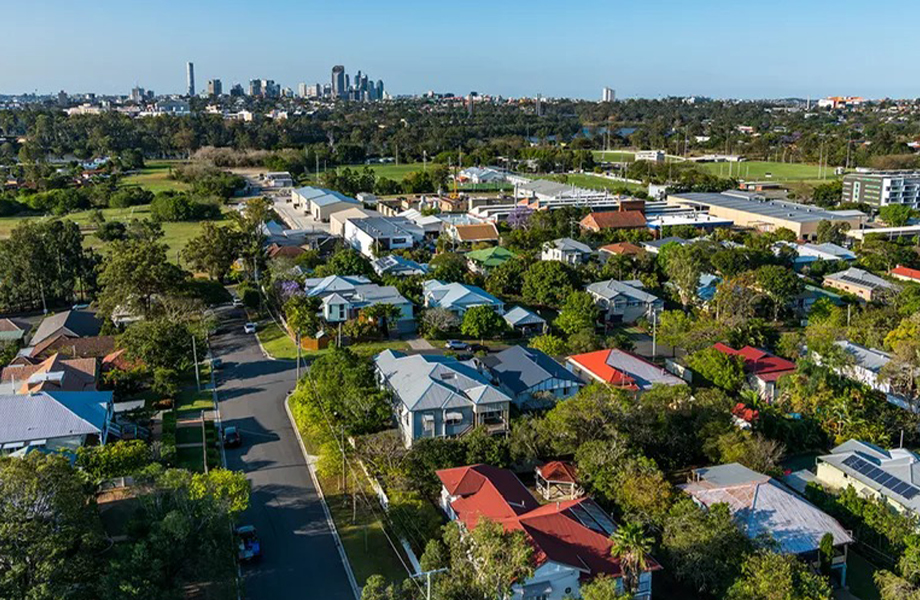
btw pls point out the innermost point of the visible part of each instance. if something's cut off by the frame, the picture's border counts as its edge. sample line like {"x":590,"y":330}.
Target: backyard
{"x":155,"y":177}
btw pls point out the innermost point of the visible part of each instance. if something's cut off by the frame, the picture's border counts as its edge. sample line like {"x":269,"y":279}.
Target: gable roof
{"x":43,"y":416}
{"x":53,"y":374}
{"x":615,"y":219}
{"x":82,"y":347}
{"x":74,"y":323}
{"x":858,"y":277}
{"x":763,"y":505}
{"x":625,"y":248}
{"x":456,"y":295}
{"x":575,"y":533}
{"x":491,"y":257}
{"x":623,"y":370}
{"x":393,"y":263}
{"x":764,"y":365}
{"x":568,"y":244}
{"x":612,"y":288}
{"x":324,"y":197}
{"x":476,"y":232}
{"x":13,"y":329}
{"x":520,"y":316}
{"x":520,"y":369}
{"x":893,"y":473}
{"x":902,"y":271}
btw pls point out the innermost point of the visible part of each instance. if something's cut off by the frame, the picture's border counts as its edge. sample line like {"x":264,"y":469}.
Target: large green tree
{"x":213,"y":250}
{"x":482,"y":322}
{"x":770,"y":576}
{"x":578,"y":313}
{"x":134,"y":274}
{"x":549,"y":283}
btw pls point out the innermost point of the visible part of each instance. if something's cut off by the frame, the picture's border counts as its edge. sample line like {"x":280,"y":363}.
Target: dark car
{"x":232,"y":438}
{"x":249,"y":549}
{"x":477,"y":348}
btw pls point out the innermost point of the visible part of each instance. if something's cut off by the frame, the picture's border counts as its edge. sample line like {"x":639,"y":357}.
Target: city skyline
{"x":669,"y":49}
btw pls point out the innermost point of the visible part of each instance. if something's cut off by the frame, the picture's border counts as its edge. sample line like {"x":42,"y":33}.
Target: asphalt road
{"x":300,"y":557}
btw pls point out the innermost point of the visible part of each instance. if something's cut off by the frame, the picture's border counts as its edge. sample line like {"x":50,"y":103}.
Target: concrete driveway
{"x":300,"y":559}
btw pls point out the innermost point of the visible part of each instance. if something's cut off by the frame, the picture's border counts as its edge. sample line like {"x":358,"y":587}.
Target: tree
{"x":603,"y":587}
{"x":578,"y":314}
{"x":301,"y":315}
{"x":134,"y":273}
{"x":345,"y":392}
{"x":549,"y":283}
{"x":346,"y":262}
{"x":896,"y":215}
{"x":902,"y":372}
{"x":723,"y":370}
{"x":683,"y":266}
{"x":448,"y":267}
{"x":831,"y":232}
{"x":550,"y":344}
{"x":767,"y":575}
{"x":507,"y":279}
{"x":704,"y":548}
{"x":584,"y":341}
{"x":438,"y":321}
{"x":750,"y":449}
{"x":385,"y":315}
{"x":115,"y":459}
{"x":632,"y":547}
{"x":49,"y":530}
{"x":213,"y":250}
{"x":780,"y":284}
{"x":159,"y":344}
{"x":488,"y":560}
{"x":482,"y":322}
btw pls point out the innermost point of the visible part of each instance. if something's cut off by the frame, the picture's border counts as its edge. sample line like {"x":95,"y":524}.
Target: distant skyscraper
{"x":338,"y":81}
{"x":301,"y":90}
{"x":137,"y":94}
{"x":236,"y":91}
{"x":255,"y":87}
{"x":538,"y":105}
{"x":190,"y":78}
{"x":608,"y":95}
{"x":215,"y":87}
{"x":380,"y":89}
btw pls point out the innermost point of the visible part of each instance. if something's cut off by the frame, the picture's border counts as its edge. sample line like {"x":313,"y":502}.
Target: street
{"x":300,"y":556}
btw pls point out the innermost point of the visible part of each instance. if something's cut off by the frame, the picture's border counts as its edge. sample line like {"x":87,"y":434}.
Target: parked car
{"x":216,"y":363}
{"x":249,"y":328}
{"x":232,"y":437}
{"x":237,"y":301}
{"x":249,"y":548}
{"x":477,"y":348}
{"x":456,"y":345}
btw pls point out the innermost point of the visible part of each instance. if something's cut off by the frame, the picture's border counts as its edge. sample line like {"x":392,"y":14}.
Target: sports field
{"x":155,"y":177}
{"x":769,"y":171}
{"x":593,"y":182}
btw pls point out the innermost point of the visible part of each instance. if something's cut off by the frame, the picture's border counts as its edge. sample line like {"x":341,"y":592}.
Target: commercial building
{"x":337,"y":220}
{"x":608,"y":95}
{"x":190,"y":79}
{"x":338,"y":81}
{"x":321,"y":203}
{"x":215,"y":87}
{"x":377,"y":236}
{"x":883,"y":188}
{"x":747,"y":209}
{"x":650,"y":155}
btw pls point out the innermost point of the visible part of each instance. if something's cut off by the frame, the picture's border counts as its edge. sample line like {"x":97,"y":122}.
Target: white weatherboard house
{"x":342,"y":298}
{"x":440,"y":396}
{"x":458,"y":297}
{"x":865,"y":365}
{"x":623,"y":301}
{"x":378,"y":236}
{"x":566,"y":250}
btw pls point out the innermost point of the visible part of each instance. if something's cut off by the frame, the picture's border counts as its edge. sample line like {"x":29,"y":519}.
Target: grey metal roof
{"x":334,"y":283}
{"x":519,"y":315}
{"x":762,"y":505}
{"x":393,"y":263}
{"x":570,"y":244}
{"x":612,"y":288}
{"x":667,"y":240}
{"x":323,"y":197}
{"x":898,"y":463}
{"x":867,"y":358}
{"x":456,"y":295}
{"x":520,"y":369}
{"x":423,"y":382}
{"x":862,"y":278}
{"x":50,"y":415}
{"x":81,"y":323}
{"x":753,"y":203}
{"x":387,"y":227}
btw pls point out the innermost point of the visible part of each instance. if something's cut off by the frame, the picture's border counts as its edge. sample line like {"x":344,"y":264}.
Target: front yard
{"x":280,"y":346}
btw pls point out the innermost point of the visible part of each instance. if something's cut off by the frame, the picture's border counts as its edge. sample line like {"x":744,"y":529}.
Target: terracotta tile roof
{"x":574,"y":533}
{"x":9,"y":325}
{"x":83,"y":347}
{"x":627,"y":248}
{"x":902,"y":271}
{"x":276,"y":250}
{"x":625,"y":219}
{"x":118,"y":360}
{"x":476,"y":232}
{"x":76,"y":375}
{"x":757,"y":362}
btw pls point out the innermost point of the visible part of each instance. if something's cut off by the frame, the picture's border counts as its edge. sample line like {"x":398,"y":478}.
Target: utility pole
{"x":195,"y":358}
{"x":427,"y":575}
{"x":298,"y":355}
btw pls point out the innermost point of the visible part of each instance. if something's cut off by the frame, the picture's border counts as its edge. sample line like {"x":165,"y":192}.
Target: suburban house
{"x":864,"y":365}
{"x":95,"y":346}
{"x":615,"y":219}
{"x":338,"y":219}
{"x":889,"y":475}
{"x":393,"y":264}
{"x":763,"y":369}
{"x":69,"y":324}
{"x":763,"y":506}
{"x":557,"y":480}
{"x":620,"y":369}
{"x":905,"y":274}
{"x":458,"y":297}
{"x":705,"y":288}
{"x":480,"y":175}
{"x":54,"y":374}
{"x":343,"y":296}
{"x":862,"y":284}
{"x":810,"y":294}
{"x":566,"y":250}
{"x":525,"y":321}
{"x":623,"y":301}
{"x":432,"y":225}
{"x":620,"y":248}
{"x":655,"y":246}
{"x":321,"y":203}
{"x":376,"y":236}
{"x":54,"y":420}
{"x":13,"y":330}
{"x":571,"y":538}
{"x":473,"y":232}
{"x":483,"y":261}
{"x":807,"y":254}
{"x":440,"y":396}
{"x":531,"y":377}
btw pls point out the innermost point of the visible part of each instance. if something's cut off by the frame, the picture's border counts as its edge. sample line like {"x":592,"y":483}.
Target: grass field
{"x":768,"y":171}
{"x":155,"y":177}
{"x":613,"y":156}
{"x":597,"y":183}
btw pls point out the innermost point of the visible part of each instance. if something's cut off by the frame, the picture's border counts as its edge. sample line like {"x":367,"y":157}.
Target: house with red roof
{"x":571,"y":538}
{"x":905,"y":273}
{"x":763,"y":369}
{"x":620,"y":369}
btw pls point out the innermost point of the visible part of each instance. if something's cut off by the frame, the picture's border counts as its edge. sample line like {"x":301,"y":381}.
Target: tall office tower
{"x":215,"y":87}
{"x":380,"y":89}
{"x":364,"y":83}
{"x":190,"y":78}
{"x":137,"y":94}
{"x":255,"y":87}
{"x":236,"y":91}
{"x":301,"y":90}
{"x":371,"y":90}
{"x":358,"y":80}
{"x":538,"y":105}
{"x":347,"y":82}
{"x":338,"y":81}
{"x":608,"y":95}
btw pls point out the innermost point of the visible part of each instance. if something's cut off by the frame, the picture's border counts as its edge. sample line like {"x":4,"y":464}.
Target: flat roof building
{"x":883,"y":188}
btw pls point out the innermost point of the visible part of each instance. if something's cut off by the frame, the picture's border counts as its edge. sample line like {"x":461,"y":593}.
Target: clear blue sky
{"x":719,"y":48}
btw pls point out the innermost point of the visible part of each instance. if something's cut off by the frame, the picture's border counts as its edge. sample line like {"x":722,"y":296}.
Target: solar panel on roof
{"x":600,"y":516}
{"x":885,"y":480}
{"x":909,"y":494}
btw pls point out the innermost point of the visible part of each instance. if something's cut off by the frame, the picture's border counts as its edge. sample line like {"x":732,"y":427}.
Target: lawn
{"x":155,"y":177}
{"x":191,"y":458}
{"x":188,"y":435}
{"x":278,"y":345}
{"x":593,"y":182}
{"x":768,"y":171}
{"x":191,"y":400}
{"x":613,"y":156}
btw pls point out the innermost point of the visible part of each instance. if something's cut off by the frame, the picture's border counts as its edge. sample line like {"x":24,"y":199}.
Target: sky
{"x":715,"y":48}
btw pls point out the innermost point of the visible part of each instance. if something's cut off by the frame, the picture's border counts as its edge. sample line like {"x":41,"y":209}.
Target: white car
{"x":249,"y":328}
{"x":237,"y":301}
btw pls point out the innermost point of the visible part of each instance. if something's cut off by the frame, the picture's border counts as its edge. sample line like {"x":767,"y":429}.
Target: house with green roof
{"x":483,"y":261}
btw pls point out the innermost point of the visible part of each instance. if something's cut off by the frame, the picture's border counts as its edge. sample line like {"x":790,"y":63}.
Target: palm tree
{"x":631,"y":546}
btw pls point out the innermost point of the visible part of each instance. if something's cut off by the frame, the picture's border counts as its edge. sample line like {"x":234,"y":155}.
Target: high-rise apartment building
{"x":190,"y":78}
{"x":338,"y":81}
{"x":255,"y":87}
{"x":215,"y":87}
{"x":380,"y":89}
{"x":608,"y":95}
{"x":882,"y":188}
